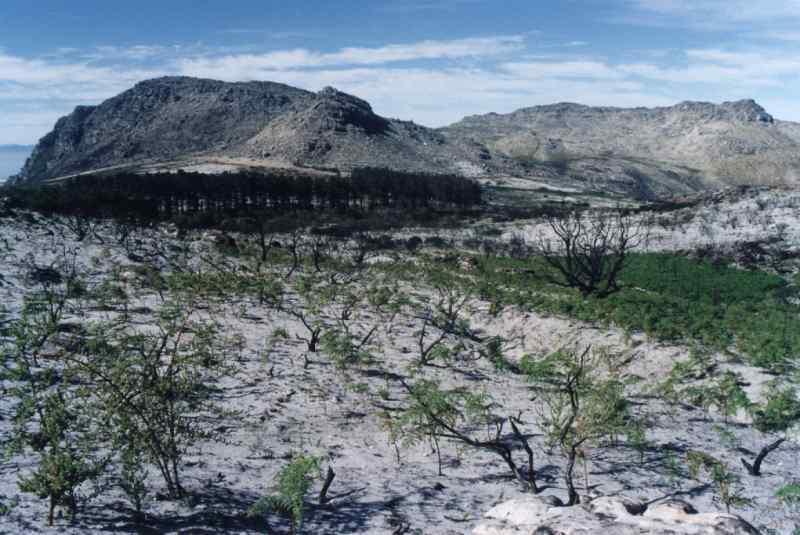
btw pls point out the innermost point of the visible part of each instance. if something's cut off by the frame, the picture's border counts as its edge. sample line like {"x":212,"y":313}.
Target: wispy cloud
{"x":242,"y":65}
{"x":715,"y":14}
{"x":135,"y":52}
{"x":269,"y":34}
{"x":563,"y":69}
{"x":23,"y":71}
{"x":740,"y":69}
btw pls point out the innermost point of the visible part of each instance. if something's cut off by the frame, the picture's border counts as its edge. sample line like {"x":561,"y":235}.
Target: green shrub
{"x":790,"y":495}
{"x":579,"y":407}
{"x":781,"y":410}
{"x":725,"y":483}
{"x":668,"y":297}
{"x":65,"y":455}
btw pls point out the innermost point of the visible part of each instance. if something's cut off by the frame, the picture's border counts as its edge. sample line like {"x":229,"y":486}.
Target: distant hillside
{"x":207,"y":125}
{"x":691,"y":143}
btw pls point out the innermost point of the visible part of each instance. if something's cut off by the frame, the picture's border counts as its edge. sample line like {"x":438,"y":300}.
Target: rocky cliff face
{"x":640,"y":152}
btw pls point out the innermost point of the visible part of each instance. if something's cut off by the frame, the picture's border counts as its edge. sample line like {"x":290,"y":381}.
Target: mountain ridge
{"x":741,"y":105}
{"x":731,"y":143}
{"x":645,"y":152}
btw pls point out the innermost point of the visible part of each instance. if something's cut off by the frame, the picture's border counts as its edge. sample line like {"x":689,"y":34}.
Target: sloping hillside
{"x":699,"y":144}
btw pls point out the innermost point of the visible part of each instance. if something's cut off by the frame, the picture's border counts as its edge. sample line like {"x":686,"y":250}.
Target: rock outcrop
{"x":617,"y":516}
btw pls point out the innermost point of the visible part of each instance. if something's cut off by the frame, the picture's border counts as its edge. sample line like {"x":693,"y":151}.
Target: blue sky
{"x":432,"y":61}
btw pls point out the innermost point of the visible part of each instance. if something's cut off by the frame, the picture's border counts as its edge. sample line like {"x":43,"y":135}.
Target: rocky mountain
{"x":159,"y":119}
{"x":180,"y":118}
{"x":689,"y":145}
{"x":179,"y":122}
{"x":341,"y":131}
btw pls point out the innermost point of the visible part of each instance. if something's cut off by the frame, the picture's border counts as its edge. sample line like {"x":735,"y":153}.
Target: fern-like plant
{"x":294,"y":481}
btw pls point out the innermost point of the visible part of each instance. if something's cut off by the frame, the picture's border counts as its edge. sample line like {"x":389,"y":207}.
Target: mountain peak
{"x":334,"y":110}
{"x":745,"y":110}
{"x":331,"y":94}
{"x":749,"y":110}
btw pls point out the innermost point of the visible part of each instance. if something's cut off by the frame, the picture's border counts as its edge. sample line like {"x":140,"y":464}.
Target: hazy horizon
{"x":12,"y":158}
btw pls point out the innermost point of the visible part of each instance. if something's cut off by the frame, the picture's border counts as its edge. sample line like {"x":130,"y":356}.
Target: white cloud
{"x":23,"y":71}
{"x":462,"y":48}
{"x":563,"y":69}
{"x":135,"y":52}
{"x":239,"y":65}
{"x":742,"y":69}
{"x":718,"y":14}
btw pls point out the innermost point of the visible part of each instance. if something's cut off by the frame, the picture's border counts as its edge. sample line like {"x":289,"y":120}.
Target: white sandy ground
{"x":199,"y":164}
{"x":758,"y":215}
{"x":315,"y":411}
{"x":764,"y":215}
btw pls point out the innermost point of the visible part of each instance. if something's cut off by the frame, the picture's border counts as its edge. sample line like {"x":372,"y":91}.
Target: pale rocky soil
{"x":611,"y":515}
{"x":720,"y":220}
{"x":318,"y":411}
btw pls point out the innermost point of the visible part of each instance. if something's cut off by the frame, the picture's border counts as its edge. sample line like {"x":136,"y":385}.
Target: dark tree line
{"x":165,"y":195}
